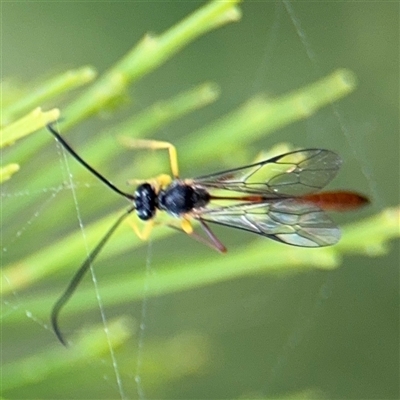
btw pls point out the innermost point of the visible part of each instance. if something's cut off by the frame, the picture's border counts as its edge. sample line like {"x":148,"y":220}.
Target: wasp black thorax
{"x":180,"y":198}
{"x":176,"y":199}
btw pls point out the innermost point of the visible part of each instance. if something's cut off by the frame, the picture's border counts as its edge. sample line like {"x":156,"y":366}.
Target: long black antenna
{"x":86,"y":165}
{"x":77,"y":278}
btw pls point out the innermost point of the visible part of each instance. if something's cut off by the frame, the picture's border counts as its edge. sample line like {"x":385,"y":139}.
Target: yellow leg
{"x":143,"y":234}
{"x":155,"y":145}
{"x":161,"y":181}
{"x":186,"y":226}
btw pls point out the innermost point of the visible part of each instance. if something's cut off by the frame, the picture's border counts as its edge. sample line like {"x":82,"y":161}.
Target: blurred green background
{"x":317,"y":334}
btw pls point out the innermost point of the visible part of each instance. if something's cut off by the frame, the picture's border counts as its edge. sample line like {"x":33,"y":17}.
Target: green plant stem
{"x":46,"y":261}
{"x":58,"y":359}
{"x":261,"y":116}
{"x":8,"y":171}
{"x":259,"y":258}
{"x":149,"y":54}
{"x":159,"y":114}
{"x":48,"y":90}
{"x":26,"y":125}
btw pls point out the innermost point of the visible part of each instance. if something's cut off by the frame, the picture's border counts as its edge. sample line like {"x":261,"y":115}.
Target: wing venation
{"x":291,"y":174}
{"x":291,"y":221}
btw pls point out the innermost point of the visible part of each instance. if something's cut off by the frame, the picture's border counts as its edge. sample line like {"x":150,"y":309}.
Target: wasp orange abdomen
{"x":337,"y":201}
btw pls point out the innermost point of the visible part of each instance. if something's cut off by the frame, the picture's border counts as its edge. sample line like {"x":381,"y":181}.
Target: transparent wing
{"x":291,"y":174}
{"x":290,"y":221}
